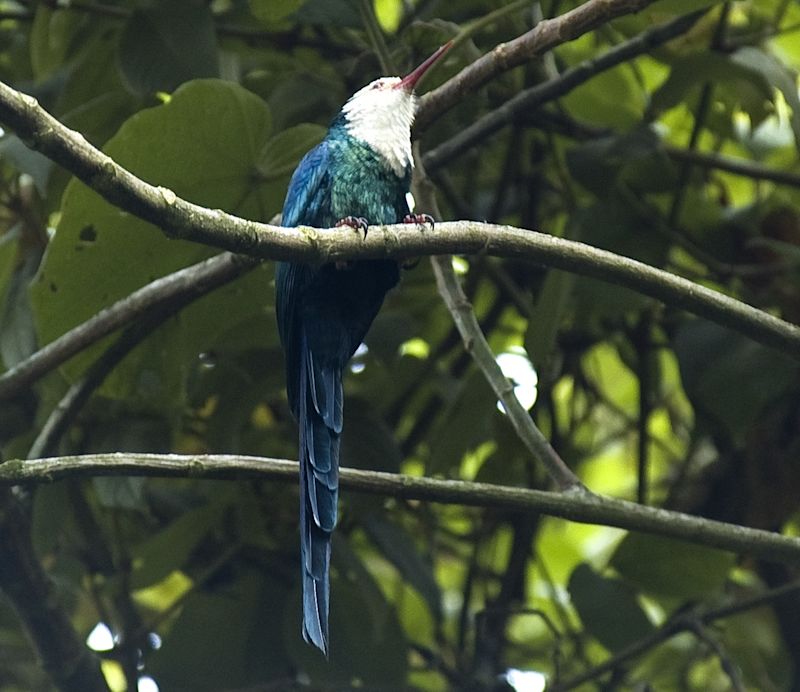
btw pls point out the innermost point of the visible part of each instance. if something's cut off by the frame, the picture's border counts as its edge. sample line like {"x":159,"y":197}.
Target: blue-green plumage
{"x":323,"y":315}
{"x":361,"y":169}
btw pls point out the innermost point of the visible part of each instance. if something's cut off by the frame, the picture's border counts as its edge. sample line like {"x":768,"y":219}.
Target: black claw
{"x":358,"y":223}
{"x":419,"y":219}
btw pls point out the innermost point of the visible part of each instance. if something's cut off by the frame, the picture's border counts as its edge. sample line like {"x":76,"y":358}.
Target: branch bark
{"x":580,"y":506}
{"x":181,"y":219}
{"x":477,"y":346}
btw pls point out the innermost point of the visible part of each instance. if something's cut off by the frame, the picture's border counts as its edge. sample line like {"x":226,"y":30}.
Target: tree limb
{"x":547,"y":34}
{"x":181,"y":219}
{"x":582,"y":506}
{"x":475,"y":342}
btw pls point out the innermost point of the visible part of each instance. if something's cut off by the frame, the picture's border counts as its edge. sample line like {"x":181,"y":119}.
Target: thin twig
{"x":532,"y":98}
{"x":194,"y":281}
{"x":678,"y":624}
{"x":545,"y":35}
{"x":475,"y":342}
{"x":703,"y":109}
{"x":730,"y":164}
{"x":728,"y":666}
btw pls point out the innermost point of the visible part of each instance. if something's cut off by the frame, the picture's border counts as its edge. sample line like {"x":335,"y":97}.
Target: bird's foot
{"x":419,"y":219}
{"x":357,"y":223}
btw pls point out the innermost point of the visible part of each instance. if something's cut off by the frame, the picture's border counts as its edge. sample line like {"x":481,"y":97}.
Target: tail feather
{"x":320,"y":420}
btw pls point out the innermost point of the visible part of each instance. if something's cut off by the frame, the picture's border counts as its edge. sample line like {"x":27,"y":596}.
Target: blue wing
{"x":308,"y":188}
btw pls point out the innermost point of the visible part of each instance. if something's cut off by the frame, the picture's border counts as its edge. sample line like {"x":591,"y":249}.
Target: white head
{"x":381,"y":114}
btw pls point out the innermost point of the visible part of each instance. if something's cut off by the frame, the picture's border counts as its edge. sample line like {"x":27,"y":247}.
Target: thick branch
{"x":547,"y":34}
{"x":583,"y":506}
{"x":181,"y":219}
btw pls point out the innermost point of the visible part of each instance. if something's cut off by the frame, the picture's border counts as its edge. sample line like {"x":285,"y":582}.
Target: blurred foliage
{"x":198,"y":581}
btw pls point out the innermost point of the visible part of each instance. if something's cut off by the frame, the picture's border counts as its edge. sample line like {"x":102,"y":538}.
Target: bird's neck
{"x":389,"y":137}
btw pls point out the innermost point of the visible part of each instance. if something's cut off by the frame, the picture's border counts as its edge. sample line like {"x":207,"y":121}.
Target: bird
{"x":360,"y":174}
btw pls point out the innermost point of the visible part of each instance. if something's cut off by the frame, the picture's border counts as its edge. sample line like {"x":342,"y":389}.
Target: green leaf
{"x":669,"y":567}
{"x":8,"y":256}
{"x":612,"y":99}
{"x":465,"y":423}
{"x":329,"y":13}
{"x":168,"y":44}
{"x":389,"y":13}
{"x":282,"y":152}
{"x":27,"y":160}
{"x":170,"y":548}
{"x":124,"y":492}
{"x":730,"y":377}
{"x":367,"y":442}
{"x":17,"y":329}
{"x":52,"y":39}
{"x":270,"y":12}
{"x":226,"y":637}
{"x":608,"y":608}
{"x":203,"y":144}
{"x":634,"y":159}
{"x":778,"y":75}
{"x":399,"y":548}
{"x":709,"y":67}
{"x":546,"y":317}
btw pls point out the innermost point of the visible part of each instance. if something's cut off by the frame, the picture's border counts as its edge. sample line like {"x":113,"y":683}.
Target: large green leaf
{"x":669,"y":567}
{"x":169,"y":549}
{"x":168,"y":44}
{"x":203,"y":144}
{"x":691,"y":72}
{"x":226,"y":636}
{"x":730,"y":377}
{"x":283,"y":151}
{"x":399,"y":548}
{"x":608,"y":608}
{"x":9,"y":243}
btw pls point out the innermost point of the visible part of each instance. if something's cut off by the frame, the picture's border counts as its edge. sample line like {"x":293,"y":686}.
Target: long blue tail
{"x":320,"y":399}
